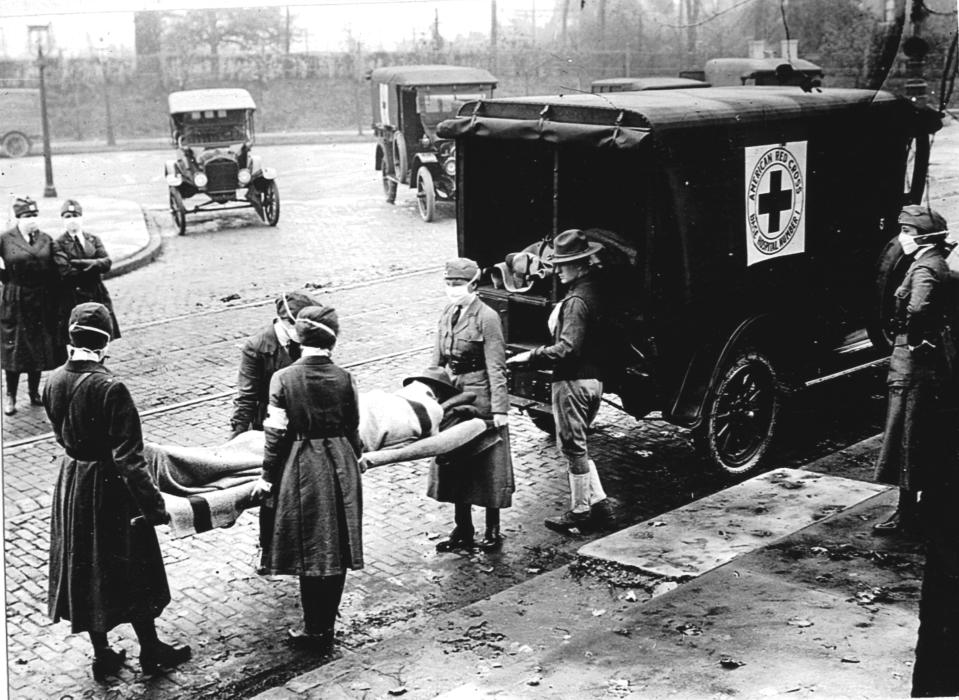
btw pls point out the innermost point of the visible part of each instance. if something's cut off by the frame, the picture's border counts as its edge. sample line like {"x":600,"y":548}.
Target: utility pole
{"x":287,"y":37}
{"x":916,"y":48}
{"x":49,"y":190}
{"x":492,"y":37}
{"x":111,"y":139}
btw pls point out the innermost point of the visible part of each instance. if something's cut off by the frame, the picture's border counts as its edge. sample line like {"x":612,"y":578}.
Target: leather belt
{"x":469,"y":364}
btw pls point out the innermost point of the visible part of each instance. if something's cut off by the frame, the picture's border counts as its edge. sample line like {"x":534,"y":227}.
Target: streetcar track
{"x":266,"y":302}
{"x":219,"y":396}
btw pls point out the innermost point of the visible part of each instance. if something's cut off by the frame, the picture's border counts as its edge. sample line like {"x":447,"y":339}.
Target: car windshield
{"x":447,"y":103}
{"x":212,"y":126}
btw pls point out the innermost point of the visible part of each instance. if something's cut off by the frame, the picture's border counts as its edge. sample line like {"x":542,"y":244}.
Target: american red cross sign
{"x":775,"y":200}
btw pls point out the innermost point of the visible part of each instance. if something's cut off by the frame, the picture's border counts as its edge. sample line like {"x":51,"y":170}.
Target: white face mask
{"x":458,"y":293}
{"x":28,"y":225}
{"x":908,"y":243}
{"x":294,"y":336}
{"x":74,"y":224}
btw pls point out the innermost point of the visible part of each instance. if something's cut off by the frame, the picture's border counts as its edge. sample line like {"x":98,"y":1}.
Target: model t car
{"x":408,"y":103}
{"x":213,"y":133}
{"x":746,"y":240}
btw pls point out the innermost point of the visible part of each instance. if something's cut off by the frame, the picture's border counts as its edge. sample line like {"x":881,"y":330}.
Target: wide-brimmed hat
{"x":71,"y":206}
{"x":436,"y":379}
{"x":927,"y":221}
{"x":462,"y":269}
{"x":290,"y":304}
{"x":24,"y":205}
{"x":90,"y":325}
{"x":571,"y":245}
{"x":317,"y":326}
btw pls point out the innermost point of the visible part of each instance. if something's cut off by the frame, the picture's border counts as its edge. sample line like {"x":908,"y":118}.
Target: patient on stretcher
{"x":208,"y":487}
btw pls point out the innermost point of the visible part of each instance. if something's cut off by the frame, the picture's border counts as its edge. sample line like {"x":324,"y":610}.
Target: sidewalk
{"x":773,"y":587}
{"x":120,"y":224}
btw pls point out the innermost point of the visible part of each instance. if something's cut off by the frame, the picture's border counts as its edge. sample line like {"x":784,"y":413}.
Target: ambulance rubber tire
{"x":178,"y":211}
{"x":425,"y":195}
{"x":544,"y":421}
{"x":271,"y":204}
{"x":400,"y":163}
{"x":741,"y":417}
{"x":389,"y":176}
{"x":16,"y":144}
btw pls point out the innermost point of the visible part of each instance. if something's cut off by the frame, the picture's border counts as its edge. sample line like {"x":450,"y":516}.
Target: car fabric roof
{"x":658,"y":82}
{"x":624,"y":119}
{"x":431,"y":75}
{"x":753,"y":65}
{"x":213,"y":98}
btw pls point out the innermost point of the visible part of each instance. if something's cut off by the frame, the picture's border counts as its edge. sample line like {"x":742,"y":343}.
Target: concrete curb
{"x":163,"y":144}
{"x":147,"y":254}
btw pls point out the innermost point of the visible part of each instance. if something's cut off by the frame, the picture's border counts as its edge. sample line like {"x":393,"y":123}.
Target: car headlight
{"x":450,"y":167}
{"x":243,"y":176}
{"x":200,"y":180}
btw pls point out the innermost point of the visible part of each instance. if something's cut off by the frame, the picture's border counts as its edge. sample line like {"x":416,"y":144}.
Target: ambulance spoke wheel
{"x":271,"y":204}
{"x":389,"y":177}
{"x":425,"y":195}
{"x":742,"y":415}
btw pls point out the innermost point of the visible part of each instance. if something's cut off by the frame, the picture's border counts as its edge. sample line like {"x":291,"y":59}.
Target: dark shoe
{"x":889,"y":526}
{"x":9,"y":405}
{"x":321,"y":642}
{"x":35,"y":400}
{"x":569,"y":521}
{"x":456,"y":540}
{"x":492,"y":540}
{"x":162,"y":657}
{"x":108,"y":663}
{"x":601,"y":513}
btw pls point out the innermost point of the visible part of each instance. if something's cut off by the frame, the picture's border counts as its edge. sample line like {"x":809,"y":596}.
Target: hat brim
{"x":591,"y":249}
{"x":442,"y":390}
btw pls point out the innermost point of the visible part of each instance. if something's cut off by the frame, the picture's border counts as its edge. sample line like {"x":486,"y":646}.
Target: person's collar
{"x":314,"y":352}
{"x":282,"y":335}
{"x":76,"y":235}
{"x":922,"y":250}
{"x":84,"y":355}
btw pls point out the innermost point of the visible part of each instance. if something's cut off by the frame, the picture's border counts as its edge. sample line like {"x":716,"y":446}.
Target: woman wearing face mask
{"x":914,"y":441}
{"x":470,"y":345}
{"x":81,"y":261}
{"x":29,"y":309}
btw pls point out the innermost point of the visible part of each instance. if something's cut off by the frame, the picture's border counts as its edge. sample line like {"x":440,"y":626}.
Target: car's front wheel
{"x":742,"y":415}
{"x":271,"y":204}
{"x":425,"y":195}
{"x":178,"y":211}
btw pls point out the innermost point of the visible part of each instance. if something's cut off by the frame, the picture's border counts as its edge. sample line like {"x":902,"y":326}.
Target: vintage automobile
{"x":762,"y":71}
{"x":648,"y":83}
{"x":213,"y":133}
{"x":744,"y":230}
{"x":19,"y":120}
{"x":408,"y":103}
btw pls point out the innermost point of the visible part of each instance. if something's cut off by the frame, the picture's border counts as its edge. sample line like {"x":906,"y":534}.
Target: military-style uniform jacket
{"x":262,"y":356}
{"x":30,"y":339}
{"x":79,"y":284}
{"x":103,"y":570}
{"x":474,"y":353}
{"x":310,"y":458}
{"x":577,"y":349}
{"x":914,"y":441}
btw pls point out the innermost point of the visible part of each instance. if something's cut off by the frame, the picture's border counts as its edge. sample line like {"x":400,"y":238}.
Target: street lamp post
{"x":49,"y":190}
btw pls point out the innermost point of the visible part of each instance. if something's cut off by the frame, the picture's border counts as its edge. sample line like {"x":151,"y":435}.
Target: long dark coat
{"x":312,"y":465}
{"x":261,"y":357}
{"x":484,"y":479}
{"x":79,"y":285}
{"x":103,"y":570}
{"x":30,"y":340}
{"x":915,"y":439}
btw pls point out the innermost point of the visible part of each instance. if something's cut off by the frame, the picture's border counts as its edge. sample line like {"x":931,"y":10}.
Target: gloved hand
{"x":261,"y":489}
{"x":500,"y":420}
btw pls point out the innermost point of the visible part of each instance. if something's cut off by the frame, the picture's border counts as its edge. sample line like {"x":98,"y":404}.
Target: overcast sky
{"x":377,"y":23}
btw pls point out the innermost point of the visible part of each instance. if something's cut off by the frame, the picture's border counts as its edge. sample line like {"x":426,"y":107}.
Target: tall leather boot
{"x":33,"y":386}
{"x":462,"y":535}
{"x":10,"y":398}
{"x":904,"y":519}
{"x":492,"y":539}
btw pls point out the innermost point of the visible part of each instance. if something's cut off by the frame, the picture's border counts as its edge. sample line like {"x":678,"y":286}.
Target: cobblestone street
{"x":183,"y":319}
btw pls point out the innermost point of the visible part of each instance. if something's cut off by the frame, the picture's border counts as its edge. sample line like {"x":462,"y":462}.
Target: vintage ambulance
{"x":743,"y":231}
